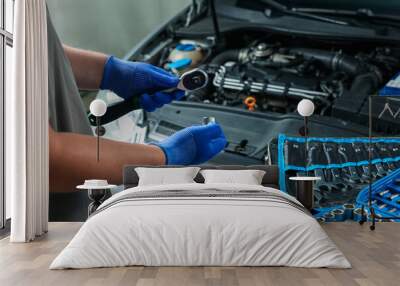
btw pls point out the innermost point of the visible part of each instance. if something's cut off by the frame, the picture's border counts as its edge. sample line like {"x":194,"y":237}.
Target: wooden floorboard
{"x":375,"y":257}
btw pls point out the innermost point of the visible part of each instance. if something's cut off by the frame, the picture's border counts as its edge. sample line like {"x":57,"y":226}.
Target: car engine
{"x":273,"y":76}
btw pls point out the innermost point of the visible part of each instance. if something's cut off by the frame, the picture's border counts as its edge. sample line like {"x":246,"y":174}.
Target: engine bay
{"x":261,"y":73}
{"x":259,"y":68}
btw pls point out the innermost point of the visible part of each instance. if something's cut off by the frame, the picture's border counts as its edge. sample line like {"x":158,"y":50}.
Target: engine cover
{"x":267,"y":81}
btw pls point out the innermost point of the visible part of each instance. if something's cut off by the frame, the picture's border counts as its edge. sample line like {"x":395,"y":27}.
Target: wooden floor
{"x":375,"y":257}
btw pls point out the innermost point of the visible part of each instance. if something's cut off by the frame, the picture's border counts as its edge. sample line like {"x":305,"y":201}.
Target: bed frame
{"x":270,"y":179}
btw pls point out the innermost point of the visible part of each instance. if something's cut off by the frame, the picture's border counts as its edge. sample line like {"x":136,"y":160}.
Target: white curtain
{"x":27,"y":123}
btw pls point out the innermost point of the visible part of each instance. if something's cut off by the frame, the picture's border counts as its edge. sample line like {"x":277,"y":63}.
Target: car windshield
{"x":381,"y":7}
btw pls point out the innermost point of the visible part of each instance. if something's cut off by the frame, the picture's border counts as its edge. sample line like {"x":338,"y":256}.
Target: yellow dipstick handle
{"x":250,"y":102}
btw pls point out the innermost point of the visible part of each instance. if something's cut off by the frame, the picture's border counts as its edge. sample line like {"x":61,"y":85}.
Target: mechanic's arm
{"x":145,"y":82}
{"x":87,"y":66}
{"x":73,"y":159}
{"x":73,"y":156}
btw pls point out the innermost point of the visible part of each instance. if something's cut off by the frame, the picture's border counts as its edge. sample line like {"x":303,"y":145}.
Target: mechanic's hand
{"x":150,"y":102}
{"x":128,"y":79}
{"x":193,"y":145}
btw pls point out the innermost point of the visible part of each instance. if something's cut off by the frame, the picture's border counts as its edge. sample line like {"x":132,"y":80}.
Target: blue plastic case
{"x":392,"y":88}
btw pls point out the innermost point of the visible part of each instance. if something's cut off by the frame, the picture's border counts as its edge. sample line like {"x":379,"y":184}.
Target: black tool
{"x":344,"y":153}
{"x":361,"y":154}
{"x":189,"y":81}
{"x":193,"y":80}
{"x":336,"y":174}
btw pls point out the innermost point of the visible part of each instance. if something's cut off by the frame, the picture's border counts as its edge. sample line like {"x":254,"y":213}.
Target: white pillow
{"x":248,"y":177}
{"x":166,"y":176}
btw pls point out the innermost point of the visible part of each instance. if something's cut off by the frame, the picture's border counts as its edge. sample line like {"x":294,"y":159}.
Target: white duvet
{"x":200,"y":231}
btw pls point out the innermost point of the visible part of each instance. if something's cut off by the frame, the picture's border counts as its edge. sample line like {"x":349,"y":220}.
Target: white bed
{"x":260,"y":226}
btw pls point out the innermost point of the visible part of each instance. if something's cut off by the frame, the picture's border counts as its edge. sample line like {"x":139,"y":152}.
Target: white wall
{"x":109,"y":26}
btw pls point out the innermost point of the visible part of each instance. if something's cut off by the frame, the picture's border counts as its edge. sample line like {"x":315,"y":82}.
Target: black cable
{"x":211,"y":5}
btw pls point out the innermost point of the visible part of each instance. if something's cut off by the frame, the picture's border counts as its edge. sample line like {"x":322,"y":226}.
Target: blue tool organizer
{"x":386,"y":191}
{"x":385,"y":196}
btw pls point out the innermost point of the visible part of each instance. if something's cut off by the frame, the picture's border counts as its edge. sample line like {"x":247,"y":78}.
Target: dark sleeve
{"x":67,"y":112}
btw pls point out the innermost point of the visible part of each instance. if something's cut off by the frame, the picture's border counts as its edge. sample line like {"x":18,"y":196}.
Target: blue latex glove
{"x":152,"y":102}
{"x":193,"y":145}
{"x":128,"y":79}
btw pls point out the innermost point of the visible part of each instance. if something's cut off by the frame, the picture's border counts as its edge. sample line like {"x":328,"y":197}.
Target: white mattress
{"x":189,"y":231}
